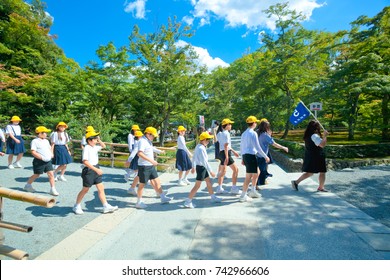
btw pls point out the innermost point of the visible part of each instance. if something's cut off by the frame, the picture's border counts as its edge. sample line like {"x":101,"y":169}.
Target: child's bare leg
{"x":101,"y":193}
{"x":194,"y":189}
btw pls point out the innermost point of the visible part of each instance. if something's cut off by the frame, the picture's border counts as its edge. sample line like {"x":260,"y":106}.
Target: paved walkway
{"x":282,"y":225}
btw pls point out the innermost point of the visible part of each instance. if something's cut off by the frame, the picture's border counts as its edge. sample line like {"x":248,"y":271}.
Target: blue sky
{"x":225,"y":29}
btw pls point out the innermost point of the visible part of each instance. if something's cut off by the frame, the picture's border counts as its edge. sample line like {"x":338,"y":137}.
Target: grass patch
{"x":337,"y":137}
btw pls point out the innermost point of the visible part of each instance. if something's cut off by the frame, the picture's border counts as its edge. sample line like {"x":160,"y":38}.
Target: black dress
{"x":314,"y":160}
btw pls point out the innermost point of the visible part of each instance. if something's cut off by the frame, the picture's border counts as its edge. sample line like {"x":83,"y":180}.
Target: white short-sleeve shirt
{"x":91,"y":154}
{"x":42,"y":147}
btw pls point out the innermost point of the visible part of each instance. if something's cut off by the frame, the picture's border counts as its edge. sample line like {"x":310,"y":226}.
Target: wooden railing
{"x":111,"y":152}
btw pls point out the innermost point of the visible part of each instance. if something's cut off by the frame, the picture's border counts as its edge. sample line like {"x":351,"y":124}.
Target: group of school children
{"x":141,"y":163}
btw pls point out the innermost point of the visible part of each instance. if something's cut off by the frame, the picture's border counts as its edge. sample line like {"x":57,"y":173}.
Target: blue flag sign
{"x":300,"y":113}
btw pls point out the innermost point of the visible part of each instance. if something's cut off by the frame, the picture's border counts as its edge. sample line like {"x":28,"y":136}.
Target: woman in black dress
{"x":314,"y":160}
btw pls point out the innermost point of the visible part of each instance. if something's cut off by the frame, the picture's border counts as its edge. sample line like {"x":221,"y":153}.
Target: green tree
{"x":295,"y":59}
{"x":168,"y":78}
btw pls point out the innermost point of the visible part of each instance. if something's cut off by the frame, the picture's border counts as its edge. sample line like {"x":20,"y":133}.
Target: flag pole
{"x":311,"y":114}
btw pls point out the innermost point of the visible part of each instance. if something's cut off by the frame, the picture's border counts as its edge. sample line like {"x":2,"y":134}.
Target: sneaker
{"x":17,"y":165}
{"x":235,"y":190}
{"x":163,"y":192}
{"x":188,"y":204}
{"x":140,"y":205}
{"x":254,"y":194}
{"x":132,"y":191}
{"x":186,"y":181}
{"x":55,"y":178}
{"x":165,"y":199}
{"x":245,"y":198}
{"x":77,"y":210}
{"x":181,"y":183}
{"x":62,"y":178}
{"x":127,"y":177}
{"x":11,"y":166}
{"x":221,"y":190}
{"x":216,"y":199}
{"x":53,"y":191}
{"x":294,"y":185}
{"x":29,"y":188}
{"x":109,"y":209}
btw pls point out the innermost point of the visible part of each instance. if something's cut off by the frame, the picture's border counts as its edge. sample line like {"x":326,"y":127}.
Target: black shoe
{"x":294,"y":185}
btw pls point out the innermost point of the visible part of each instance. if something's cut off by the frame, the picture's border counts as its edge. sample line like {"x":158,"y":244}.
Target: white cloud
{"x":137,"y":8}
{"x":188,"y":20}
{"x":248,"y":13}
{"x":204,"y":58}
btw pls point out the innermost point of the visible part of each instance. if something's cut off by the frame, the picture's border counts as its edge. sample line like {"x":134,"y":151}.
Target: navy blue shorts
{"x":40,"y":166}
{"x":250,"y":162}
{"x":146,"y":173}
{"x":201,"y":173}
{"x":222,"y":157}
{"x":90,"y":177}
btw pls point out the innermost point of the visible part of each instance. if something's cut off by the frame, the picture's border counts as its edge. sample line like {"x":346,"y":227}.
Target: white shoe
{"x":220,"y":190}
{"x":186,"y":181}
{"x":132,"y":191}
{"x":17,"y":164}
{"x":61,"y":178}
{"x":235,"y":190}
{"x":163,"y":192}
{"x":55,"y":178}
{"x":216,"y":199}
{"x":109,"y":209}
{"x":53,"y":191}
{"x":11,"y":166}
{"x":140,"y":205}
{"x":181,"y":183}
{"x":188,"y":204}
{"x":127,"y":177}
{"x":29,"y":188}
{"x":254,"y":194}
{"x":77,"y":210}
{"x":245,"y":198}
{"x":165,"y":199}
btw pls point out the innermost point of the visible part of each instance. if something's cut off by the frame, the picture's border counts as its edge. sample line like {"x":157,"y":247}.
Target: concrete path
{"x":281,"y":225}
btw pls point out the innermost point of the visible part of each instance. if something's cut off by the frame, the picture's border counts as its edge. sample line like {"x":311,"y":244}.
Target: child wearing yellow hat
{"x":62,"y":156}
{"x":15,"y":142}
{"x":225,"y":155}
{"x":42,"y":153}
{"x":147,"y":167}
{"x":183,"y":161}
{"x":131,"y":145}
{"x":203,"y":170}
{"x":132,"y":161}
{"x":92,"y":174}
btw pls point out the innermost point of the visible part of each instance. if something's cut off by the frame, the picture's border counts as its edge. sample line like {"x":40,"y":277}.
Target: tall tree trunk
{"x":352,"y":116}
{"x":386,"y":118}
{"x":287,"y":125}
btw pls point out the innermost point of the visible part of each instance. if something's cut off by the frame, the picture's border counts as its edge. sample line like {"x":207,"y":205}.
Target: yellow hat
{"x":138,"y":133}
{"x":151,"y":130}
{"x":15,"y":119}
{"x":90,"y":134}
{"x":205,"y":135}
{"x":62,"y":124}
{"x":135,"y":127}
{"x":264,"y":120}
{"x":227,"y":121}
{"x":89,"y":128}
{"x":251,"y":119}
{"x":181,"y":128}
{"x":41,"y":129}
